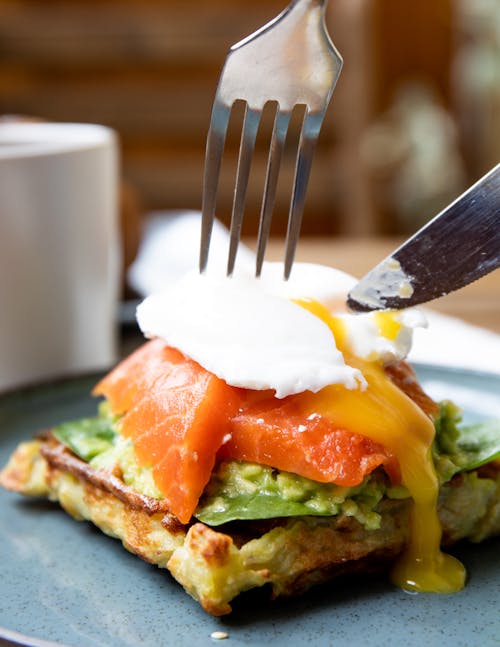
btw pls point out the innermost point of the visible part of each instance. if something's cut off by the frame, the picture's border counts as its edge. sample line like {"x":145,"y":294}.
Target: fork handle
{"x":306,"y":7}
{"x":314,"y":3}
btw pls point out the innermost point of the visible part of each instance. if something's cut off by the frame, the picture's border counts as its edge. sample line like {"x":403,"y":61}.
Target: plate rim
{"x":17,"y":639}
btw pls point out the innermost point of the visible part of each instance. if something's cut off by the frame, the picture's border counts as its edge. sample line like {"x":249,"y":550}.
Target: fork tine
{"x":309,"y":134}
{"x":248,"y":135}
{"x":213,"y":157}
{"x":259,"y":69}
{"x":278,"y":137}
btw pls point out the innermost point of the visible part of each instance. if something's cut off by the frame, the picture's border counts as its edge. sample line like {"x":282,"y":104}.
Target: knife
{"x":458,"y":246}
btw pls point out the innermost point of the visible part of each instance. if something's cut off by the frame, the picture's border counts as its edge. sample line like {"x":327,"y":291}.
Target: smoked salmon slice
{"x":181,"y":419}
{"x":134,"y":375}
{"x":405,"y":378}
{"x":176,"y":414}
{"x":275,"y":433}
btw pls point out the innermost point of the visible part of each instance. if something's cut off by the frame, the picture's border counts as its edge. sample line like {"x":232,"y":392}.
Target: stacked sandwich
{"x":263,"y":435}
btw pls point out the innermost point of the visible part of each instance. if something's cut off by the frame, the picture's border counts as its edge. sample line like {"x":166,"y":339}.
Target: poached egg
{"x":256,"y":333}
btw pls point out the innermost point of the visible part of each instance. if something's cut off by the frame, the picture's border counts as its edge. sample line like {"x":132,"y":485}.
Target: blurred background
{"x":414,"y":119}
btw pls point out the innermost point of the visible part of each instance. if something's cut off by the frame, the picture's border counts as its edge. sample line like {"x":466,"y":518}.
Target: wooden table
{"x":478,"y":303}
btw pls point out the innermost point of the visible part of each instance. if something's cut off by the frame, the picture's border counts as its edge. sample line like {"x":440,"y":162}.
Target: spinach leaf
{"x":239,"y":490}
{"x":460,"y":448}
{"x":478,"y":444}
{"x":87,"y":437}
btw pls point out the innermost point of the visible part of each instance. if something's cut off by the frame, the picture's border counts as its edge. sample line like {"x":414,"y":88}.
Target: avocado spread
{"x":246,"y":491}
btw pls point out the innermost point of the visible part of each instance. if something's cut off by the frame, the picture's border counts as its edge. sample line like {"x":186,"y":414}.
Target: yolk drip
{"x":387,"y":325}
{"x":385,"y":414}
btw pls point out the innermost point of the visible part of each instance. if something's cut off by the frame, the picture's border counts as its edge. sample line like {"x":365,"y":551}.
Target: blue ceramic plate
{"x":65,"y":582}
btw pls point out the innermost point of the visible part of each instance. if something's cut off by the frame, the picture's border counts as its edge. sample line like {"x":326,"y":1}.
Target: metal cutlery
{"x":290,"y":61}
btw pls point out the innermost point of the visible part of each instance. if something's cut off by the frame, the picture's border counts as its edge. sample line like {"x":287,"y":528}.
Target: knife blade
{"x":458,"y":246}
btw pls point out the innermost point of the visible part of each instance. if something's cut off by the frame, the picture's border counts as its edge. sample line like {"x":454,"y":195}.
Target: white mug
{"x":59,"y":250}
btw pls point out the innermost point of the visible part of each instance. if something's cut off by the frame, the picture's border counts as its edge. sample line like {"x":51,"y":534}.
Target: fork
{"x":291,"y":62}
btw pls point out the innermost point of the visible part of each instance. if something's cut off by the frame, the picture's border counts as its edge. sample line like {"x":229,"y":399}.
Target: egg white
{"x":249,"y":333}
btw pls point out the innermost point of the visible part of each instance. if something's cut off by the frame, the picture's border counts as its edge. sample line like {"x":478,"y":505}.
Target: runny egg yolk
{"x":387,"y":324}
{"x":385,"y":414}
